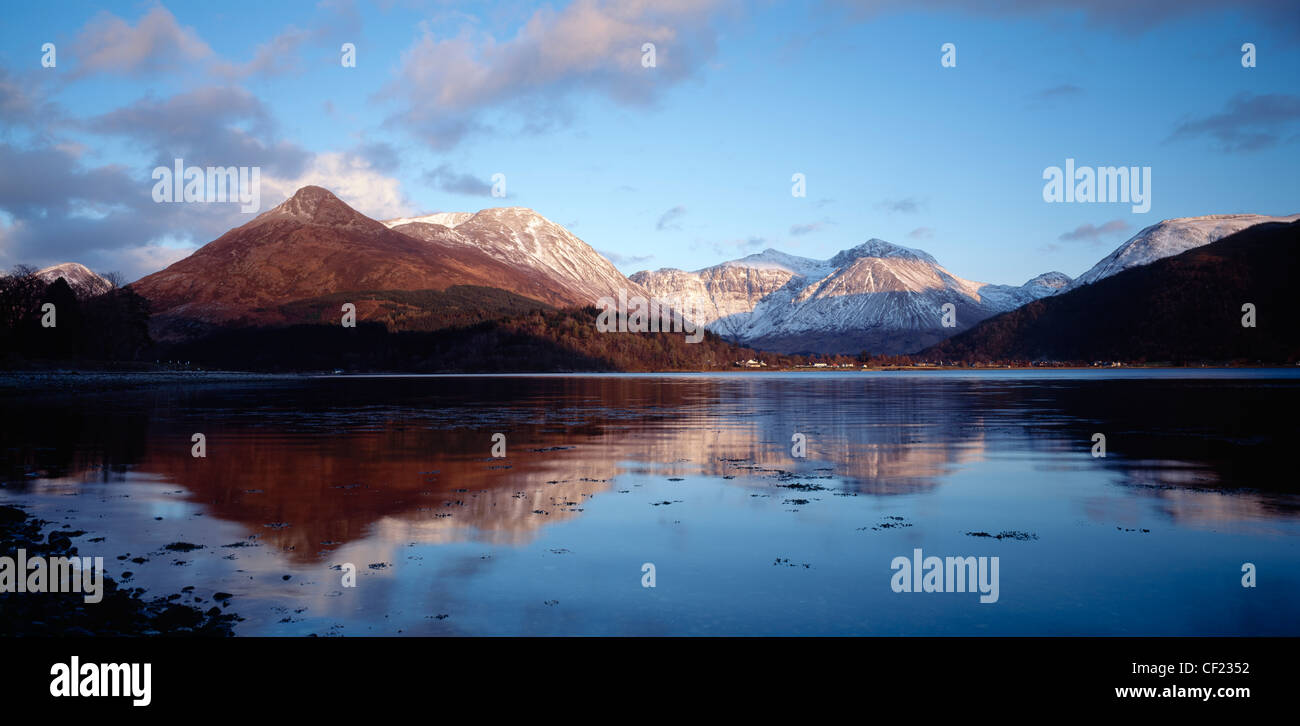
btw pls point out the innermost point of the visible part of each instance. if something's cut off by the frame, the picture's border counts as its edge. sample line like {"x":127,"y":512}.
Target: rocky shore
{"x":124,"y":611}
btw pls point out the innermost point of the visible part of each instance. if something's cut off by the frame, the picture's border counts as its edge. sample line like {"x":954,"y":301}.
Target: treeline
{"x":462,"y":329}
{"x":51,"y":322}
{"x":539,"y":340}
{"x":414,"y":310}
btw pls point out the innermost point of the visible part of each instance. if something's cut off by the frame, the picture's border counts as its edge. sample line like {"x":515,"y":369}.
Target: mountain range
{"x":878,"y":297}
{"x":887,"y":299}
{"x":297,"y":262}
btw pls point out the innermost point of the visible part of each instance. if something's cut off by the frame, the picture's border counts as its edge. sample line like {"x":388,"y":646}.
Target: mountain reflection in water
{"x":384,"y":469}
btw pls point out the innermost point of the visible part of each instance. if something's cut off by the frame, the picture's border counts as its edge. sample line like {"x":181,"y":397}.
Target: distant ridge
{"x":1184,"y":308}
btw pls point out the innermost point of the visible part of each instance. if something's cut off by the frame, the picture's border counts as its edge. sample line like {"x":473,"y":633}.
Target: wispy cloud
{"x":1089,"y":233}
{"x":625,"y":260}
{"x":1048,"y":96}
{"x":158,"y":44}
{"x":1248,"y":122}
{"x":329,"y":25}
{"x":380,"y":155}
{"x":449,"y":180}
{"x":22,"y":105}
{"x":921,"y":233}
{"x":668,"y":220}
{"x":744,"y":246}
{"x":798,"y":230}
{"x":908,"y":205}
{"x":274,"y":57}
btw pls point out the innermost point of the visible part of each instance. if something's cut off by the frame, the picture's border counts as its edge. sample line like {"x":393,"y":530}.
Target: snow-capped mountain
{"x":312,"y":245}
{"x":1171,"y":237}
{"x":446,"y":219}
{"x":79,"y":277}
{"x":524,"y":239}
{"x":878,"y":296}
{"x":1181,"y":308}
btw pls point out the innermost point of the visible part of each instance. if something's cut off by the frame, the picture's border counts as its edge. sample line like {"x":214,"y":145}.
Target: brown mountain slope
{"x":311,"y":245}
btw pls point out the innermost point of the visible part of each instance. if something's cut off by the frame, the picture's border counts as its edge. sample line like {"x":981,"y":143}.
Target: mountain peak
{"x":318,"y":205}
{"x":1051,"y":279}
{"x":880,"y":248}
{"x":511,"y":216}
{"x":75,"y":268}
{"x":78,"y":276}
{"x":503,"y":215}
{"x":310,"y":197}
{"x":772,"y":258}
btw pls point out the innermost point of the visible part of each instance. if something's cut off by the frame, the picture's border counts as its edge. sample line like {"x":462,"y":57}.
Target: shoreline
{"x":77,"y":378}
{"x":71,"y":379}
{"x":123,"y":611}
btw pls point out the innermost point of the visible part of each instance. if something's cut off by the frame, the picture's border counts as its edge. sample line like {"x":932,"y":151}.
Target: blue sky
{"x":685,"y":164}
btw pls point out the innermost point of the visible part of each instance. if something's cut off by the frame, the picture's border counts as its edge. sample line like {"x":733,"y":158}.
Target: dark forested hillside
{"x":540,"y":340}
{"x":1186,"y":308}
{"x":107,"y":326}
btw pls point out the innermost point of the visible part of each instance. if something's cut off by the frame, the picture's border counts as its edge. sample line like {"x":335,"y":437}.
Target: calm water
{"x":693,"y":474}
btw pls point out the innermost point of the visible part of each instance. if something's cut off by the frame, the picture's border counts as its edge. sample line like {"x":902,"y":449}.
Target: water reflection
{"x":330,"y":457}
{"x":321,"y":469}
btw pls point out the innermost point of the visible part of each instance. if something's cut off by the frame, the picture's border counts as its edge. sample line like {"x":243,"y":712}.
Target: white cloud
{"x":351,"y":178}
{"x":590,"y":45}
{"x":136,"y":262}
{"x":156,"y":43}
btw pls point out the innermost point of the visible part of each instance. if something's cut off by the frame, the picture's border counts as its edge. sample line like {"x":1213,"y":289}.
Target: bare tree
{"x":113,"y":278}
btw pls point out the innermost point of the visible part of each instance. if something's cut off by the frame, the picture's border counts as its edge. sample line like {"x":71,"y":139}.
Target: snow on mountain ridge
{"x":775,"y":259}
{"x":319,"y":206}
{"x":1050,"y":279}
{"x":446,"y":219}
{"x":521,"y":237}
{"x":877,"y":294}
{"x":879,"y":248}
{"x":78,"y":276}
{"x":1170,"y":237}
